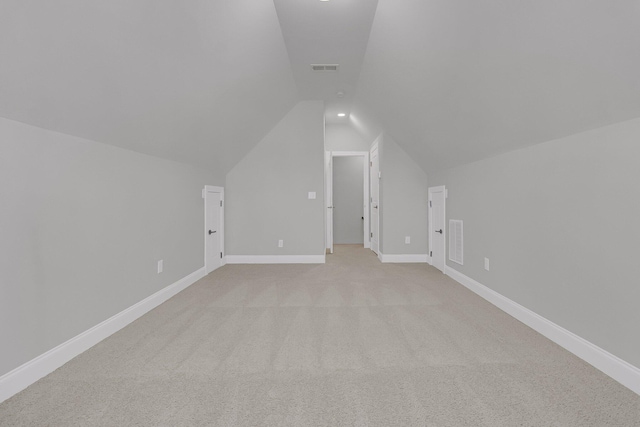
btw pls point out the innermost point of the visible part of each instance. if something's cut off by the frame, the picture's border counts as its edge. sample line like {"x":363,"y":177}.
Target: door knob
{"x":439,"y":231}
{"x":211,"y":232}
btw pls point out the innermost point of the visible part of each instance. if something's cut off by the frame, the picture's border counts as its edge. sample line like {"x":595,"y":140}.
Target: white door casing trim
{"x":30,"y":372}
{"x":366,"y":192}
{"x":328,"y":201}
{"x":214,"y":189}
{"x":618,"y":369}
{"x":376,"y":226}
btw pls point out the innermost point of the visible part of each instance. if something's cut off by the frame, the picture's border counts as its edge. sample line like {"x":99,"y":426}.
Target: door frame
{"x":329,"y":196}
{"x":443,"y":190}
{"x":213,"y":189}
{"x":374,"y":146}
{"x":328,"y":200}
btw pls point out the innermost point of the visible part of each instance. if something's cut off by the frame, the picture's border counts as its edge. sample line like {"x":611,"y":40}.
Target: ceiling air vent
{"x":324,"y":67}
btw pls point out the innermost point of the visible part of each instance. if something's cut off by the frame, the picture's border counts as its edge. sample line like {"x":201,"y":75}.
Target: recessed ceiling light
{"x":340,"y":114}
{"x":324,"y":0}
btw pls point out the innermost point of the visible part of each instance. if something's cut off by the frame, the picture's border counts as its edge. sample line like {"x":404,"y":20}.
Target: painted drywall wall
{"x":348,"y":200}
{"x":364,"y":122}
{"x":479,"y":78}
{"x":198,"y":81}
{"x":559,"y":224}
{"x":403,"y":201}
{"x":344,"y":138}
{"x":83,"y":225}
{"x":266,"y":192}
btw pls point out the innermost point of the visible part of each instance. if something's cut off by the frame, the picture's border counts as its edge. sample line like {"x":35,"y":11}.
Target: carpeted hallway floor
{"x":350,"y":343}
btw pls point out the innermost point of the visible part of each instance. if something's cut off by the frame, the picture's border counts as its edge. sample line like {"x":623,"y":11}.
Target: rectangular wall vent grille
{"x":455,"y":241}
{"x":324,"y":67}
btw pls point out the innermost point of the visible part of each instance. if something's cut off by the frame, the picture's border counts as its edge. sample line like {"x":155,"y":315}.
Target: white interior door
{"x":213,"y":236}
{"x":329,"y":199}
{"x":437,"y":226}
{"x":375,"y":198}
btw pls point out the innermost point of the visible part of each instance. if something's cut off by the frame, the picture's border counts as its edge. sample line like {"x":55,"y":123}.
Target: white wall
{"x":83,"y":225}
{"x":403,"y":201}
{"x":266,"y":192}
{"x":559,"y":223}
{"x":364,"y":122}
{"x":344,"y":138}
{"x":196,"y":81}
{"x":348,"y":200}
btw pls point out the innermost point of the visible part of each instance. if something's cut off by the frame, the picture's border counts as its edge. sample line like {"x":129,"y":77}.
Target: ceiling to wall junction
{"x":203,"y":81}
{"x":195,"y":81}
{"x":458,"y":80}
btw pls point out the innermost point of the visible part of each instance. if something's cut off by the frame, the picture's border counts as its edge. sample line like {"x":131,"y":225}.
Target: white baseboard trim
{"x":23,"y":376}
{"x":275,"y":259}
{"x":398,"y":258}
{"x":367,"y":245}
{"x":618,"y":369}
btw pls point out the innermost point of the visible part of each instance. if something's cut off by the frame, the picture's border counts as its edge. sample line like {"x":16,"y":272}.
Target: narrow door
{"x":375,"y":198}
{"x":213,"y":232}
{"x":329,"y":199}
{"x":436,"y":226}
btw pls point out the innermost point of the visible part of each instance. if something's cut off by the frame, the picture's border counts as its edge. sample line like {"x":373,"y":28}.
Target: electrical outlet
{"x":312,"y":195}
{"x":486,"y":264}
{"x":407,"y":240}
{"x":160,"y":266}
{"x":280,"y":243}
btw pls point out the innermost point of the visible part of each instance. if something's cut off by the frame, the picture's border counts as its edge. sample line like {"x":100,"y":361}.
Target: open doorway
{"x":347,"y":186}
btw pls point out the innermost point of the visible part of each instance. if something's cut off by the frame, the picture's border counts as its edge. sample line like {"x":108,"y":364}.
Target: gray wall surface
{"x":559,"y":223}
{"x":344,"y":138}
{"x":82,"y":226}
{"x":403,"y":201}
{"x":348,"y":200}
{"x":266,"y":192}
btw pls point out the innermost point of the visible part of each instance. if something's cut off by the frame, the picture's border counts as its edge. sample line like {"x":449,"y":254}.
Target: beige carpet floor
{"x":350,"y":343}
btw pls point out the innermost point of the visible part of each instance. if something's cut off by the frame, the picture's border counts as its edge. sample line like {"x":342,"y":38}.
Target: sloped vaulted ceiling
{"x":327,"y":32}
{"x":458,"y":80}
{"x":202,"y":81}
{"x":194,"y":81}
